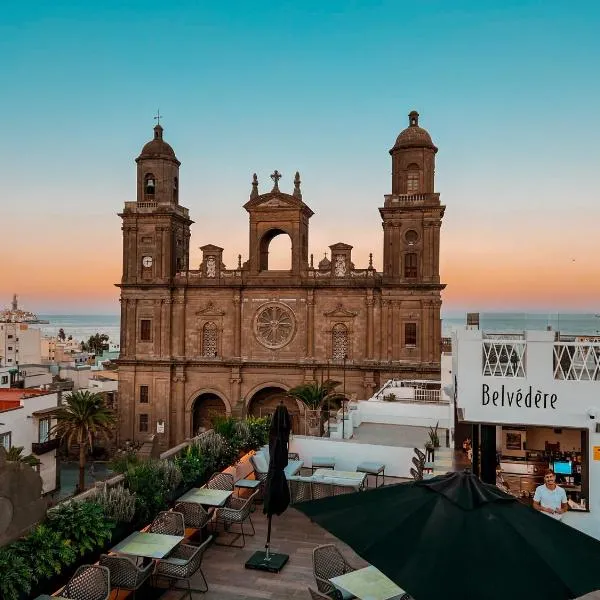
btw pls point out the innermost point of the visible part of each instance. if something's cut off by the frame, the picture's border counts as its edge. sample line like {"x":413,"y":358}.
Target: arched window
{"x":410,"y":265}
{"x":149,"y":184}
{"x":210,"y":338}
{"x":175,"y":190}
{"x":339,"y":341}
{"x":413,"y":177}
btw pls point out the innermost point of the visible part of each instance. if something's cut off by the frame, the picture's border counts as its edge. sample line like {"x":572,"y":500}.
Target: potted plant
{"x":314,"y":396}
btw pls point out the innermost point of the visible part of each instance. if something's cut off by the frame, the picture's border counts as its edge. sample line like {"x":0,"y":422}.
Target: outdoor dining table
{"x":368,"y":584}
{"x":206,"y":496}
{"x":352,"y":478}
{"x":149,"y":545}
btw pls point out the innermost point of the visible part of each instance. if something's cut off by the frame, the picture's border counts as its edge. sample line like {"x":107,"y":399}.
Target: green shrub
{"x":46,"y":552}
{"x":258,"y":432}
{"x":151,"y":481}
{"x":16,"y":574}
{"x":192,"y":465}
{"x":117,"y":503}
{"x":84,"y":524}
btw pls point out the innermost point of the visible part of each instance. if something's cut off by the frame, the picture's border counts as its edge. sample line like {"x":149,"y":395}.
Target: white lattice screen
{"x":579,"y":362}
{"x":503,"y":358}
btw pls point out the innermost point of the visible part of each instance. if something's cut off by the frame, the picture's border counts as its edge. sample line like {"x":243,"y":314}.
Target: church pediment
{"x":210,"y":310}
{"x":277,"y":200}
{"x":340,"y":311}
{"x":211,"y":248}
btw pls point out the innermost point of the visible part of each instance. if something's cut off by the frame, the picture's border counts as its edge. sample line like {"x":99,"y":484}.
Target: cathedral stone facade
{"x":197,"y":342}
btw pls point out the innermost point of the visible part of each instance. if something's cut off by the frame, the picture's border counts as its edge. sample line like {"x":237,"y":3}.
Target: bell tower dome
{"x":413,"y":159}
{"x":158,"y":171}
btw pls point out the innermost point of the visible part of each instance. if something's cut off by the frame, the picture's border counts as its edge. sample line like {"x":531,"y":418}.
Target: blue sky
{"x":508,"y":90}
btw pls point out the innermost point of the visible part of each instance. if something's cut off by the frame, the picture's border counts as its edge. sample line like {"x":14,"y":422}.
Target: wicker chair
{"x":321,"y":490}
{"x":329,"y":562}
{"x":419,"y":464}
{"x":420,"y":454}
{"x":194,"y":516}
{"x":168,"y":522}
{"x":300,"y":490}
{"x":416,"y":475}
{"x":221,"y":481}
{"x":293,"y":456}
{"x":182,"y":563}
{"x":236,"y":512}
{"x":124,"y":573}
{"x":336,"y":595}
{"x":90,"y":582}
{"x":338,"y":490}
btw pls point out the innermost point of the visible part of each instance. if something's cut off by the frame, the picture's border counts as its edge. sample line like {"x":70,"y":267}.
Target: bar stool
{"x":372,"y":468}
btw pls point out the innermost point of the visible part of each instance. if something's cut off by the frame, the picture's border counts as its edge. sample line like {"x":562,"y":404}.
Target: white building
{"x":26,"y":417}
{"x":19,"y":344}
{"x":535,"y":404}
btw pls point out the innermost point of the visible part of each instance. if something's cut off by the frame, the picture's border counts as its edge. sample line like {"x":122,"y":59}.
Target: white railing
{"x":577,"y":361}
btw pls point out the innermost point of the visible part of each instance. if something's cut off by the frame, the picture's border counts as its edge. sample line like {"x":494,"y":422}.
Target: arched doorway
{"x":205,"y":408}
{"x":266,"y":400}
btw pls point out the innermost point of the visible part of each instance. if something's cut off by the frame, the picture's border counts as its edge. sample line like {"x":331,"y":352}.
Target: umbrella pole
{"x":267,"y":555}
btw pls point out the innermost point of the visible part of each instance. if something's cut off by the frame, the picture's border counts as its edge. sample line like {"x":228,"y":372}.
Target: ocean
{"x":566,"y":323}
{"x":81,"y":327}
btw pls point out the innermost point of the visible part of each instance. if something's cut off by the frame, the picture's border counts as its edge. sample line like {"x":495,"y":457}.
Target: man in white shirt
{"x":550,"y":498}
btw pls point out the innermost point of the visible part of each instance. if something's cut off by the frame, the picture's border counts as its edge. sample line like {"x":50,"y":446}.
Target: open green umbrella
{"x":456,"y":538}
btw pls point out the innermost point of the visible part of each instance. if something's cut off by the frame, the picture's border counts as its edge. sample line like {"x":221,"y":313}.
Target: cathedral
{"x":209,"y":340}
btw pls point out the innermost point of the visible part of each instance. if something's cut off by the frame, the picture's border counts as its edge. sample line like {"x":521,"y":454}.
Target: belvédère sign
{"x":527,"y":398}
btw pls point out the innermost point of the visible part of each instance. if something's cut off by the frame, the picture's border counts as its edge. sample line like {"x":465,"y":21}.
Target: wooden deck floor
{"x":293,"y":534}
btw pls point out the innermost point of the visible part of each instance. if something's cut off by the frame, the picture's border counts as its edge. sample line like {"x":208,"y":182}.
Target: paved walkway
{"x":406,"y":436}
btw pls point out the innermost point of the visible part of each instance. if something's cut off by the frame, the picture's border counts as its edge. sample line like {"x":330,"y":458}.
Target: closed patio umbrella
{"x":277,"y":493}
{"x":456,"y":538}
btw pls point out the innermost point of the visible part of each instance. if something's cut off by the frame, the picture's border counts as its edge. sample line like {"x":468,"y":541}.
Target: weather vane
{"x":158,"y":116}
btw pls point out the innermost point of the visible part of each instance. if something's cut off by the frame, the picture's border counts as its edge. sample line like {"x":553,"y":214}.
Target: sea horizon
{"x":82,"y":326}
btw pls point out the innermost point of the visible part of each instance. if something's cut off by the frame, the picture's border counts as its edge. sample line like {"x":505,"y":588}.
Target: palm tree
{"x":15,"y":454}
{"x":83,"y":416}
{"x":314,"y":395}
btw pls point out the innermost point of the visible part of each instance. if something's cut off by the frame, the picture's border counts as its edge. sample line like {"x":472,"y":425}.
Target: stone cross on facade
{"x":275,"y":176}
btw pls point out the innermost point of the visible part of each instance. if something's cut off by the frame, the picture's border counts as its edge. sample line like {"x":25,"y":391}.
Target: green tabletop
{"x":150,"y":545}
{"x":206,"y":496}
{"x":247,"y":483}
{"x":367,"y":584}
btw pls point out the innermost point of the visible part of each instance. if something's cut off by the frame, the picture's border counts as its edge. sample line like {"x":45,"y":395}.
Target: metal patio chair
{"x":236,"y":512}
{"x":168,"y":522}
{"x":90,"y":582}
{"x":336,"y":595}
{"x":181,"y":565}
{"x":221,"y":481}
{"x":194,"y":516}
{"x":125,"y":574}
{"x":329,"y":562}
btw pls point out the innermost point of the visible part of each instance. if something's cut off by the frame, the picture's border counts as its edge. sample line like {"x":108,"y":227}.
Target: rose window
{"x":274,"y":326}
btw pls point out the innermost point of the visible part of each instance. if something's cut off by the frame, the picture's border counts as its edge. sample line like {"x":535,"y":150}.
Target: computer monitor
{"x":563,"y":467}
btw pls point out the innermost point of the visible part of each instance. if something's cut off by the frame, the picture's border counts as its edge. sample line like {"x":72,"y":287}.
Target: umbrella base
{"x":275,"y":563}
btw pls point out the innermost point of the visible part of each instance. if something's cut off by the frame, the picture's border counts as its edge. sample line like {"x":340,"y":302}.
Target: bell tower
{"x":412,"y":213}
{"x":156,"y":229}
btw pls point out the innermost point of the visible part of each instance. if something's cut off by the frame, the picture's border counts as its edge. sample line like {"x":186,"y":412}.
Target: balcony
{"x":392,"y":200}
{"x":44,"y":447}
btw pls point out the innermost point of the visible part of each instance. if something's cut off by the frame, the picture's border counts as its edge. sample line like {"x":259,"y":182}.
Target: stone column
{"x":177,"y":429}
{"x":396,"y":331}
{"x":237,"y":324}
{"x":310,"y":324}
{"x":132,"y":252}
{"x":123,"y":330}
{"x":166,"y":327}
{"x":157,"y":327}
{"x":166,"y":252}
{"x":370,"y":333}
{"x":235,"y":381}
{"x":436,"y":251}
{"x":131,"y":326}
{"x":383,"y":342}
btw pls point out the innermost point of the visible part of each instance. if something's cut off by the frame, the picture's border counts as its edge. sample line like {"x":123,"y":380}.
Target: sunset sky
{"x":508,"y":90}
